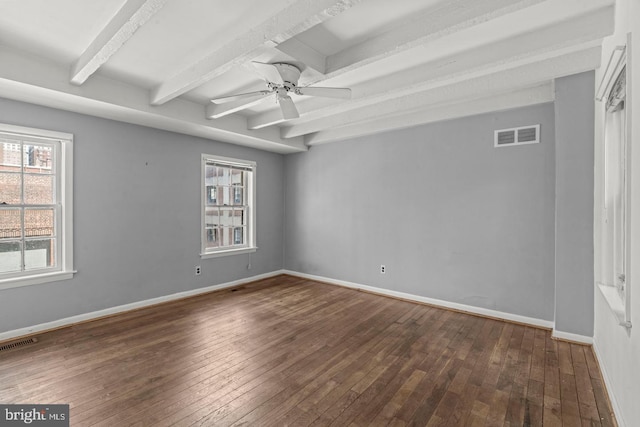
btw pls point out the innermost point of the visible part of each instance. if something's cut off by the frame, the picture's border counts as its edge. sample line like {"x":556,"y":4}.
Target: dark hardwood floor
{"x":290,"y":351}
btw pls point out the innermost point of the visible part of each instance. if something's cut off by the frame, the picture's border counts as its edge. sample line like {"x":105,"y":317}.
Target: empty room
{"x":319,"y":212}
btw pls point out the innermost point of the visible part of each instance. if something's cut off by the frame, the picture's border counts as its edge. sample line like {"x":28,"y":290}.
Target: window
{"x":614,"y":279}
{"x":35,"y":206}
{"x":228,"y":208}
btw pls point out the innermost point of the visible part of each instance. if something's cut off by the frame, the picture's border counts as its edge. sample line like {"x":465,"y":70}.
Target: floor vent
{"x":16,"y":344}
{"x":516,"y":136}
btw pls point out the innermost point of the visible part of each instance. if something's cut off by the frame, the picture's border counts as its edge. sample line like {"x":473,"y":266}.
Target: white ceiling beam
{"x":285,"y":24}
{"x":449,"y":17}
{"x":215,"y":111}
{"x":47,"y":84}
{"x":523,"y":76}
{"x":267,"y":118}
{"x":132,"y":15}
{"x":500,"y":102}
{"x":304,"y":53}
{"x":568,"y":33}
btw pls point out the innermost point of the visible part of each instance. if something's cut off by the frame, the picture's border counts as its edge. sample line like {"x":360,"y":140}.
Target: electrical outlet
{"x":198,"y":270}
{"x":383,"y":269}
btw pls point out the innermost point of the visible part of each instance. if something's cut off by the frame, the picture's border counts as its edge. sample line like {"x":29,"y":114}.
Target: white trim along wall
{"x":61,"y":323}
{"x":565,"y":336}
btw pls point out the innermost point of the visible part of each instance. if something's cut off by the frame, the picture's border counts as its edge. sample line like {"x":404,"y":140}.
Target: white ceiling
{"x":159,"y":62}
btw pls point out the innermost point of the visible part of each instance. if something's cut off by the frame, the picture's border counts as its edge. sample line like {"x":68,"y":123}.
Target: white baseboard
{"x":432,"y":301}
{"x":567,"y":336}
{"x":30,"y":330}
{"x":609,"y":386}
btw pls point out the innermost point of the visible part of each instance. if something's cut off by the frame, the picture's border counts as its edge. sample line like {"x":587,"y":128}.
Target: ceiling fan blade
{"x":215,"y":111}
{"x":327,"y":92}
{"x":247,"y":95}
{"x":289,"y":110}
{"x":269,"y":72}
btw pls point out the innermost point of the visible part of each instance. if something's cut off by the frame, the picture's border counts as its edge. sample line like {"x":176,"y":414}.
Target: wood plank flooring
{"x":287,"y":351}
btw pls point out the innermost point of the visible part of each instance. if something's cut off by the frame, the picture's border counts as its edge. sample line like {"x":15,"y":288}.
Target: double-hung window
{"x":614,"y":281}
{"x":35,"y":206}
{"x":228,"y":206}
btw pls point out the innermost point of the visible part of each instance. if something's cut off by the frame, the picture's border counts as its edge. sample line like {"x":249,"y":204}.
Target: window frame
{"x":63,"y":206}
{"x":250,"y":245}
{"x":617,"y":295}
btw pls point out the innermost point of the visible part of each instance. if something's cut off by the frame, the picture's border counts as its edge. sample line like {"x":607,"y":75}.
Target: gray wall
{"x":574,"y":110}
{"x":137,"y":217}
{"x":449,"y":215}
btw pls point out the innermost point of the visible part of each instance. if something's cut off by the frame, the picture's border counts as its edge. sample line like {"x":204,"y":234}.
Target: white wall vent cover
{"x":517,"y":136}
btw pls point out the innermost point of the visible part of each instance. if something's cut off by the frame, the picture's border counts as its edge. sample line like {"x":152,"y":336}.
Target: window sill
{"x":36,"y":279}
{"x":610,"y":294}
{"x":228,"y":252}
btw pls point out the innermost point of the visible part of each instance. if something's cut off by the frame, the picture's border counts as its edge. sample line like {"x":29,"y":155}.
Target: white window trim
{"x":65,"y":198}
{"x":620,"y":305}
{"x":251,"y":243}
{"x":227,"y":252}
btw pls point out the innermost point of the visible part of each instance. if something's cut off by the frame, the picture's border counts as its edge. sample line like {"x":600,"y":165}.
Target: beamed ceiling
{"x":160,"y":62}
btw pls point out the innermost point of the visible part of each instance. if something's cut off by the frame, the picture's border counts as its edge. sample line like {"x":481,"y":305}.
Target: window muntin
{"x":35,"y":184}
{"x":228,"y":205}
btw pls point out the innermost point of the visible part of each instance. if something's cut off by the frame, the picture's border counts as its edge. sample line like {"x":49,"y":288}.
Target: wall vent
{"x":16,"y":344}
{"x":516,"y":136}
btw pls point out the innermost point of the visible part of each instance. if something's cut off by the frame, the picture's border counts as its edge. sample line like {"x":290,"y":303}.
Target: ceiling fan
{"x":281,"y":79}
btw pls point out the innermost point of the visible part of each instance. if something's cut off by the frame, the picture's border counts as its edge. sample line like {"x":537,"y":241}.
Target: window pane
{"x":212,"y":217}
{"x":211,"y":195}
{"x":210,"y":175}
{"x":38,"y":222}
{"x":10,"y":224}
{"x":224,"y":176}
{"x":237,"y":177}
{"x":239,"y":217}
{"x":224,"y":196}
{"x":39,"y":254}
{"x":213,"y":237}
{"x":10,"y":188}
{"x":238,"y":195}
{"x":238,"y":234}
{"x":38,"y":158}
{"x":226,"y":216}
{"x":38,"y":189}
{"x":10,"y":256}
{"x":10,"y":154}
{"x":227,"y":236}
